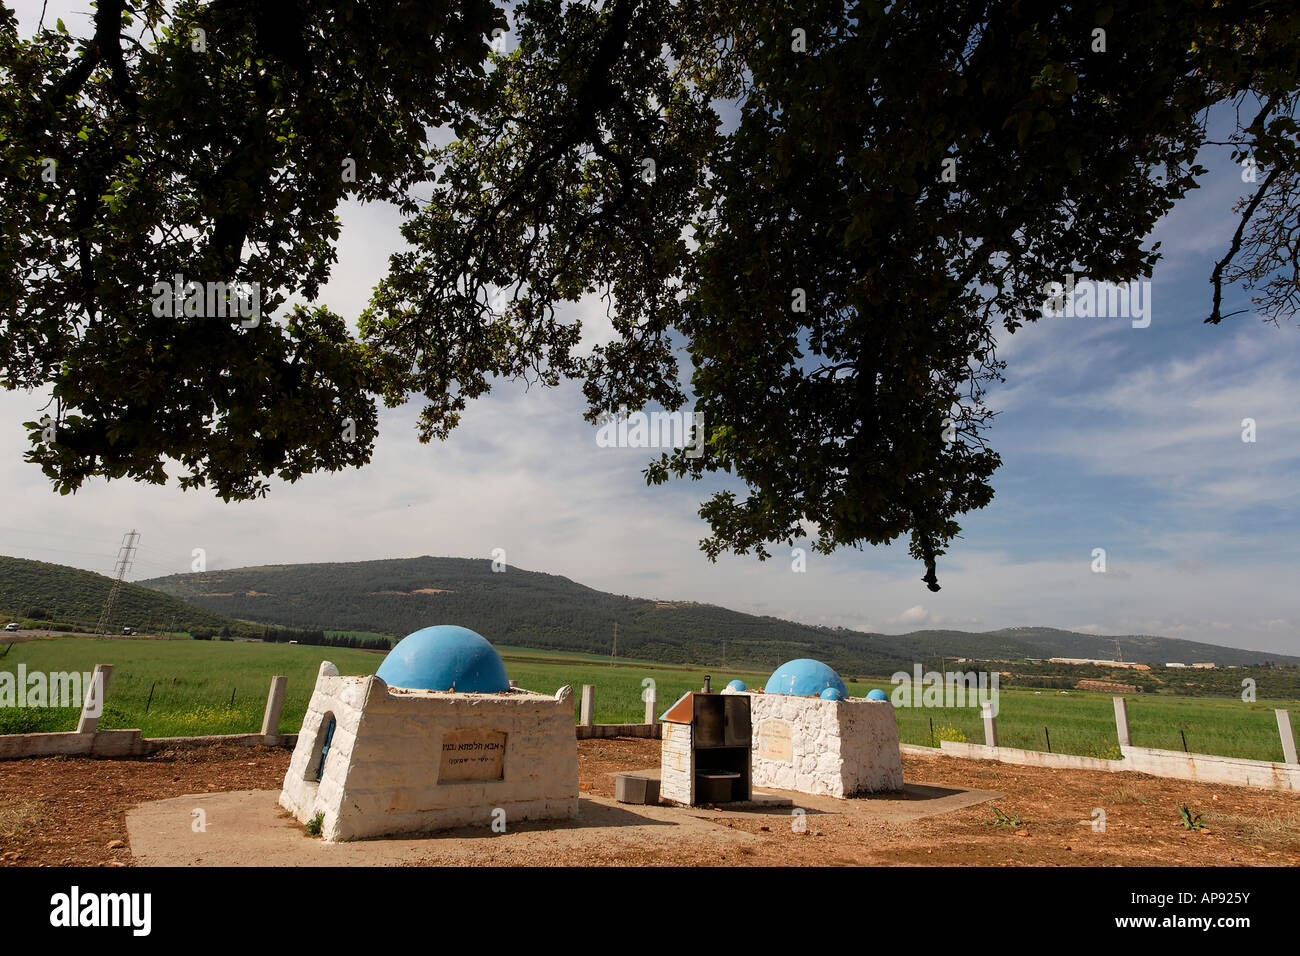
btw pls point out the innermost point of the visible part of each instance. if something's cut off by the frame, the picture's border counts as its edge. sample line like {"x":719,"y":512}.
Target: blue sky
{"x":1111,"y":437}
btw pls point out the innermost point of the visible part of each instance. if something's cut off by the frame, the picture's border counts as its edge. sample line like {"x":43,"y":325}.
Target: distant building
{"x":1080,"y":661}
{"x":1175,"y":664}
{"x":1208,"y":666}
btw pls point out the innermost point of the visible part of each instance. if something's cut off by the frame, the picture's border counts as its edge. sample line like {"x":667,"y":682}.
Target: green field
{"x":1084,"y":723}
{"x":219,"y":687}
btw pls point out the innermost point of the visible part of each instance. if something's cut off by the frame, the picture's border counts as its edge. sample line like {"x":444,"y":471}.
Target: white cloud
{"x":914,"y":616}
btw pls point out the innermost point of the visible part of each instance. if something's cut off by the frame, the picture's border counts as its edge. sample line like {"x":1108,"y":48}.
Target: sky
{"x":1114,"y":437}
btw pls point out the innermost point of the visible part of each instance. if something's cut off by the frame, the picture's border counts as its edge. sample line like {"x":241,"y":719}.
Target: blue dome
{"x":877,"y":694}
{"x":804,"y":678}
{"x":737,"y":685}
{"x":445,"y":657}
{"x":830,"y":693}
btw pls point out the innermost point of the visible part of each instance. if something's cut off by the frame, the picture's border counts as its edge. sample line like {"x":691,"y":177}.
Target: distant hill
{"x":1144,"y":648}
{"x":532,"y":609}
{"x":56,"y":592}
{"x":1048,"y":642}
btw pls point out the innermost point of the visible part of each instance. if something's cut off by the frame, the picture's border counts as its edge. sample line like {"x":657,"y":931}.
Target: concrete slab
{"x":916,"y":801}
{"x":759,"y":799}
{"x":248,"y":828}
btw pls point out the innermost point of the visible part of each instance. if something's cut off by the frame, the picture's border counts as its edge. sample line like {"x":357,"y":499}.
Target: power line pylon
{"x":125,"y":557}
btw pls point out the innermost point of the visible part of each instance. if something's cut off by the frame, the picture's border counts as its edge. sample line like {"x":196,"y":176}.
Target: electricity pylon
{"x":125,"y":557}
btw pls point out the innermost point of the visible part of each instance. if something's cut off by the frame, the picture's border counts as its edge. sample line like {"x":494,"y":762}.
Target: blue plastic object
{"x":804,"y":678}
{"x":445,"y":657}
{"x":325,"y":750}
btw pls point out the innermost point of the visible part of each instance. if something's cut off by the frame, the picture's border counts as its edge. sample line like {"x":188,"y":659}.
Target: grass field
{"x":219,"y":687}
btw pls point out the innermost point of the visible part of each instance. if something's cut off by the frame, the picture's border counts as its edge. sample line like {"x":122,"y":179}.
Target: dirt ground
{"x":72,"y":811}
{"x":1243,"y":826}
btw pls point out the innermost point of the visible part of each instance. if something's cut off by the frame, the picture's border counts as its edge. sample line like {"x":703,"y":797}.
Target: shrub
{"x":204,"y":720}
{"x":950,"y":733}
{"x":32,"y":720}
{"x":1111,"y":752}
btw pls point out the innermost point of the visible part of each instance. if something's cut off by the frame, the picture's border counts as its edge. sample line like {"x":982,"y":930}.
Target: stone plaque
{"x":472,"y":755}
{"x":774,"y":741}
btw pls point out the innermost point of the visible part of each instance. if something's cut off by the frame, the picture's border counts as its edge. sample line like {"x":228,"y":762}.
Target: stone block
{"x":629,"y":788}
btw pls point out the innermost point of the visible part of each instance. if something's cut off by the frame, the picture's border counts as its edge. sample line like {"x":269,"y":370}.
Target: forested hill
{"x":532,"y":609}
{"x":37,"y":590}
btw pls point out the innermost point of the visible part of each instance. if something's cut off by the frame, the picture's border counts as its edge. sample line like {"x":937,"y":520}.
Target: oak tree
{"x":807,"y":219}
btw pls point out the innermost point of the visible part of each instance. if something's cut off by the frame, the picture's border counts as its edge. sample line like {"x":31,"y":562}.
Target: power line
{"x":44,"y":533}
{"x":166,"y":566}
{"x":93,"y":554}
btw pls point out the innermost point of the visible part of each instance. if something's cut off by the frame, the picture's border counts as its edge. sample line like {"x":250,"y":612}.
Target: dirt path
{"x":64,"y":811}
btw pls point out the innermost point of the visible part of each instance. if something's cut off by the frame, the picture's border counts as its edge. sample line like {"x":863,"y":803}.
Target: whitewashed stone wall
{"x":382,"y":773}
{"x":677,"y":764}
{"x":826,"y":747}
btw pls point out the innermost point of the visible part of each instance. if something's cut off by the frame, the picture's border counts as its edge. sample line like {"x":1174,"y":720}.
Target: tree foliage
{"x":830,"y":210}
{"x":207,"y":141}
{"x":837,"y":295}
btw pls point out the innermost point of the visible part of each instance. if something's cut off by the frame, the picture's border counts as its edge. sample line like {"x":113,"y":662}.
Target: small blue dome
{"x":830,"y":693}
{"x":877,"y":694}
{"x":737,"y":685}
{"x":804,"y":678}
{"x":445,"y":657}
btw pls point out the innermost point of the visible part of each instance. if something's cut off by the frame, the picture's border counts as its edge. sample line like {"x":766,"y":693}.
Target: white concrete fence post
{"x":651,"y":704}
{"x":588,"y":711}
{"x":93,"y":706}
{"x":990,"y":725}
{"x":274,"y":704}
{"x":1121,"y":722}
{"x":1288,"y":736}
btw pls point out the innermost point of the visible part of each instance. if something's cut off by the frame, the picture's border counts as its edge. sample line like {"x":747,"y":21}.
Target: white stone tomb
{"x":404,"y":761}
{"x":835,"y":748}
